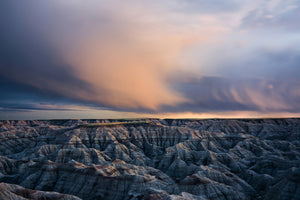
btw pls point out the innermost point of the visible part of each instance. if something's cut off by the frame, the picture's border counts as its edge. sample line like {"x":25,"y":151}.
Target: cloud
{"x":90,"y":52}
{"x":278,"y":14}
{"x":263,"y":62}
{"x":34,"y":107}
{"x":215,"y":94}
{"x":135,"y":55}
{"x":202,"y":6}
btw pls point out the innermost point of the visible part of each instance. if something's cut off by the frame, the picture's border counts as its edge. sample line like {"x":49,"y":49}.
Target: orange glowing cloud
{"x":128,"y":73}
{"x":128,"y":61}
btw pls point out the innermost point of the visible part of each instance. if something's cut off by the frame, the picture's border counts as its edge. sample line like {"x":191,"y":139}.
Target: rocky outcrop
{"x":150,"y":159}
{"x":16,"y":192}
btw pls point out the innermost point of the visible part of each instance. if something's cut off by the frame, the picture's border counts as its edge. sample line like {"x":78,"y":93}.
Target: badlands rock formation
{"x":150,"y":159}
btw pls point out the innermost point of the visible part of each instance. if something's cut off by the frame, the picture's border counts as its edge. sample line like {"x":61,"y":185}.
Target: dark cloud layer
{"x":27,"y":58}
{"x":233,"y":94}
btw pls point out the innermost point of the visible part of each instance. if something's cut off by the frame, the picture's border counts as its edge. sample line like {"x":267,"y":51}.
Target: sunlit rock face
{"x":150,"y":159}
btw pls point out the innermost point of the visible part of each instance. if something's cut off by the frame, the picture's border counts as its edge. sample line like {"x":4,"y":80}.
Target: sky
{"x":142,"y":58}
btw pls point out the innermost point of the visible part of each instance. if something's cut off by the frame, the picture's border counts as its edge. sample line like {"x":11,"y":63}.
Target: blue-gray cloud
{"x":233,"y":94}
{"x":265,"y":63}
{"x":282,"y":15}
{"x":28,"y":61}
{"x":203,"y":6}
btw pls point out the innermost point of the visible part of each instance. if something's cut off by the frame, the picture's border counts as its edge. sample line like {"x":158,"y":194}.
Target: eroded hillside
{"x":150,"y":159}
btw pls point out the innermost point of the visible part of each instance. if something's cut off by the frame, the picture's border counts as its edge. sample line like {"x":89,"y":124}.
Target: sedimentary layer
{"x":150,"y":159}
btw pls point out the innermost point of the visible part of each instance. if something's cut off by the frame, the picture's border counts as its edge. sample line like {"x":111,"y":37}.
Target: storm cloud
{"x":150,"y":56}
{"x":88,"y":53}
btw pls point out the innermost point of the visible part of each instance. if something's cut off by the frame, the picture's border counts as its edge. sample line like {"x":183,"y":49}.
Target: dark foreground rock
{"x":150,"y":159}
{"x":15,"y":192}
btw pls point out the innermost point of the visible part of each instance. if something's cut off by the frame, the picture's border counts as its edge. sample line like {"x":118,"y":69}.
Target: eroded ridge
{"x":150,"y":159}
